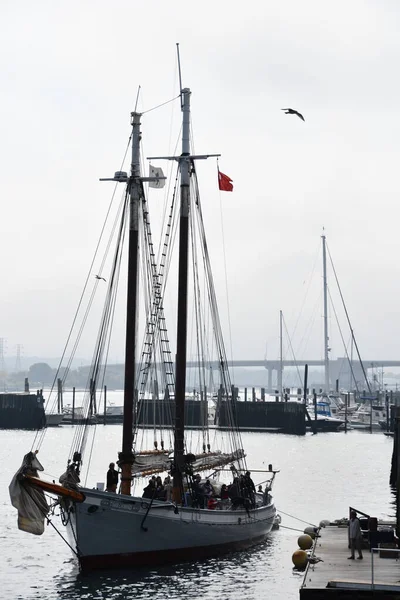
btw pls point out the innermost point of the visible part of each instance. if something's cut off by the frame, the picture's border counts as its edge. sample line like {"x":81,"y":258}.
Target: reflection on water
{"x":226,"y":577}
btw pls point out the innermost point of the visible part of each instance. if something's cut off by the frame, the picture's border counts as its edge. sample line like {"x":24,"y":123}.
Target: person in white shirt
{"x":355,"y":535}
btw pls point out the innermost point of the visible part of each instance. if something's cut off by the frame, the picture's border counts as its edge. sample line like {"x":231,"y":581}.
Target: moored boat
{"x":107,"y":528}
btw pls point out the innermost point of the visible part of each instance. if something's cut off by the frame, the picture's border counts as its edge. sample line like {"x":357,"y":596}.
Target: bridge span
{"x":339,"y":368}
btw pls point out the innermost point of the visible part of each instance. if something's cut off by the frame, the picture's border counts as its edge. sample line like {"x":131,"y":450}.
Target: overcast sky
{"x":69,"y":78}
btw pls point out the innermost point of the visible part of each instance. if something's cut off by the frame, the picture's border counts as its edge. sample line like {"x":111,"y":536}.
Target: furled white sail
{"x":29,"y":501}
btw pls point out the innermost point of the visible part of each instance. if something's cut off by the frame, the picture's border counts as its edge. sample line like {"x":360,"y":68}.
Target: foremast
{"x":135,"y":194}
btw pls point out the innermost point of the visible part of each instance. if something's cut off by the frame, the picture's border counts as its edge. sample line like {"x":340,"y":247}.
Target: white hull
{"x":360,"y":425}
{"x":112,"y":530}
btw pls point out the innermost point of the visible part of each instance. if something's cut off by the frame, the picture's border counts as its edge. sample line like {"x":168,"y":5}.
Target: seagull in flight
{"x":98,"y":277}
{"x":291,"y":111}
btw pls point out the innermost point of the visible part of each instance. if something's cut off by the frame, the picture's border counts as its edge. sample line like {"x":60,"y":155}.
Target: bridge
{"x":339,"y":368}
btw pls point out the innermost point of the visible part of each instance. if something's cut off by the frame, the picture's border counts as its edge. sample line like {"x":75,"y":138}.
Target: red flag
{"x":225,"y":183}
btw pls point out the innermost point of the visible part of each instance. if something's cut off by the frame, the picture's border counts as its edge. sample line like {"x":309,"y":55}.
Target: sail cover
{"x":151,"y":462}
{"x":29,"y":501}
{"x":214,"y":460}
{"x":158,"y":462}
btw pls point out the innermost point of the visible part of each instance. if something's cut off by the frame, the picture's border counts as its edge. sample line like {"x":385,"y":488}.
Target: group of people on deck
{"x":241,"y":493}
{"x":201,"y":494}
{"x":158,"y":489}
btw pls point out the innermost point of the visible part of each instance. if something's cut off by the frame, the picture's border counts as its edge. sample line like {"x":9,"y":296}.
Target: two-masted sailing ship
{"x":107,"y":528}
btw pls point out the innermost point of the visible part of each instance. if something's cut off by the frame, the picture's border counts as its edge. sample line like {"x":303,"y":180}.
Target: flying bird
{"x":291,"y":111}
{"x":98,"y":277}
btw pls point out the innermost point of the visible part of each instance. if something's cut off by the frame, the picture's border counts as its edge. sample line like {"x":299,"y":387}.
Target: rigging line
{"x":293,"y":354}
{"x":63,"y":538}
{"x":28,"y":490}
{"x":84,"y":289}
{"x":198,"y":314}
{"x":106,"y":317}
{"x":226,"y":283}
{"x":159,"y":105}
{"x":308,"y":289}
{"x":303,"y":343}
{"x":296,"y":518}
{"x":234,"y":432}
{"x":341,"y":336}
{"x":90,"y":455}
{"x":348,"y":321}
{"x":81,"y":432}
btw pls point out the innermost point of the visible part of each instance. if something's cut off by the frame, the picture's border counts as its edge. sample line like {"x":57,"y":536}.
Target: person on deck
{"x":112,"y":478}
{"x":168,"y":488}
{"x":150,"y":490}
{"x":160,"y":493}
{"x":224,"y":492}
{"x":249,"y":488}
{"x":198,"y":492}
{"x":208,"y":489}
{"x":355,"y":535}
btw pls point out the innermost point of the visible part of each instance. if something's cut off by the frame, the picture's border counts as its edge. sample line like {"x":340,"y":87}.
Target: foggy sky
{"x":69,"y":78}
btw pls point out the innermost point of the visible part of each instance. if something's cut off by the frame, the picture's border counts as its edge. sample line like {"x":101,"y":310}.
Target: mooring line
{"x":297,"y":518}
{"x":291,"y":528}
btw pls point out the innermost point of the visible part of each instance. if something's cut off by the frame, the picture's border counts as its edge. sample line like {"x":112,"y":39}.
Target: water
{"x":320,"y":476}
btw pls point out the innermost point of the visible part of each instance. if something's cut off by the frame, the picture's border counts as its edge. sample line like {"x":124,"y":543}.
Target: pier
{"x":282,"y":417}
{"x":333,"y":576}
{"x":22,"y":411}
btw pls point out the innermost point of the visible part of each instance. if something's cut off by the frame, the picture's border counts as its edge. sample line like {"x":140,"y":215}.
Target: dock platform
{"x":334,"y":576}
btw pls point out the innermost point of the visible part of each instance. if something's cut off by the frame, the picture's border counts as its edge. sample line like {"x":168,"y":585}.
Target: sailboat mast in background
{"x":134,"y":189}
{"x":326,"y":338}
{"x":280,"y":372}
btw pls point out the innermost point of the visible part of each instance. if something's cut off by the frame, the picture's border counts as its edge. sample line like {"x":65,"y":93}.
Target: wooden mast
{"x":134,"y":188}
{"x":180,"y":364}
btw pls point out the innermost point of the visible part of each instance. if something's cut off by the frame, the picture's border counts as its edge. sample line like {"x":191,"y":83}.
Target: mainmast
{"x":185,"y":161}
{"x":135,"y":191}
{"x":180,"y":367}
{"x":326,"y":338}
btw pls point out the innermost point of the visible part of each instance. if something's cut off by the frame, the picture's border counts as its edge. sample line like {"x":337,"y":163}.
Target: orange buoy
{"x":300,"y":559}
{"x":305,"y":541}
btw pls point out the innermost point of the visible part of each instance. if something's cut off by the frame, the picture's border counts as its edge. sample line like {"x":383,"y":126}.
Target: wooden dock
{"x":334,"y":576}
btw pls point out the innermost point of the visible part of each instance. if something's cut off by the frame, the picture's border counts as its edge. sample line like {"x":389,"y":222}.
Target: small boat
{"x":54,"y":419}
{"x":114,"y":414}
{"x":368,"y":416}
{"x":324,"y":421}
{"x":73,"y":416}
{"x":109,"y":529}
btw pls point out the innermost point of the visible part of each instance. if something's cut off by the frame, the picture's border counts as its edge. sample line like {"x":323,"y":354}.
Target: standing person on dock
{"x":355,"y":535}
{"x":112,"y":478}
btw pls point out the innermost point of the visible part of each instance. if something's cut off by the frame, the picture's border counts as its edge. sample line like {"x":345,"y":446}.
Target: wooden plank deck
{"x":330,"y":577}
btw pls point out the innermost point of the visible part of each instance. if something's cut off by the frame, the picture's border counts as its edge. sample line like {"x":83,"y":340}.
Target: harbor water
{"x":320,"y":476}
